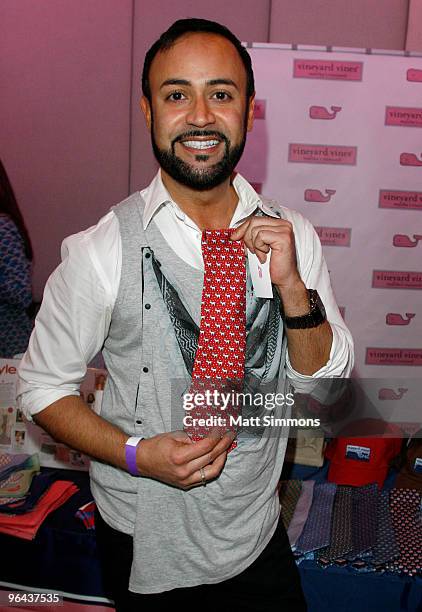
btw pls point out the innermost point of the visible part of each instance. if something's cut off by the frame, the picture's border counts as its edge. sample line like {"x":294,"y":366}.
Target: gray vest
{"x":181,"y":538}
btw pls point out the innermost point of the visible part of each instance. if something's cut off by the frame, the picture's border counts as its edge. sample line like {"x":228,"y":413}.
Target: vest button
{"x":147,"y":306}
{"x":145,"y":369}
{"x":138,"y":422}
{"x":147,"y":255}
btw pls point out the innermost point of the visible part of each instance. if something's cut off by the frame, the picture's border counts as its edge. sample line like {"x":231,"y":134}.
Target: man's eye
{"x":222,"y":95}
{"x":175,"y":96}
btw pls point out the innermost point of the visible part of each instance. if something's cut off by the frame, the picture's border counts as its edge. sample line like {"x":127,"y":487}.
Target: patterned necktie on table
{"x":301,"y":512}
{"x":341,"y":529}
{"x":364,"y":510}
{"x":317,"y":530}
{"x":385,"y":548}
{"x":407,"y":523}
{"x":289,"y":496}
{"x":220,"y":358}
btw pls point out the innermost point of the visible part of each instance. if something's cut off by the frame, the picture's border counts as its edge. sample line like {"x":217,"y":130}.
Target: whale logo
{"x":393,"y":318}
{"x":315,"y":195}
{"x":409,"y":159}
{"x":401,"y":240}
{"x":390,"y":394}
{"x":415,"y":75}
{"x":320,"y":112}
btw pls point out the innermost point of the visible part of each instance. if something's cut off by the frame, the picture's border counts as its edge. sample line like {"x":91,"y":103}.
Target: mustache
{"x":199,"y":134}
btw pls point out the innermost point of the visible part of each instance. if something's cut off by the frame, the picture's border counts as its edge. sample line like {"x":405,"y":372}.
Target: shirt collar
{"x":156,"y":195}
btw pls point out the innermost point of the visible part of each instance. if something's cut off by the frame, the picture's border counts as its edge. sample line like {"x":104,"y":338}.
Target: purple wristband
{"x":130,"y":452}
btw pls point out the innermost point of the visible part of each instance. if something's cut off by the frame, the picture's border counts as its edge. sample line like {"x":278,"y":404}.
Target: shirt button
{"x":147,"y":306}
{"x":147,"y":255}
{"x":138,"y":422}
{"x":145,"y":369}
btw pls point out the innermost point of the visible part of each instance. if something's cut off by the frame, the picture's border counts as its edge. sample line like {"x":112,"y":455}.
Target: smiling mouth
{"x":204,"y":146}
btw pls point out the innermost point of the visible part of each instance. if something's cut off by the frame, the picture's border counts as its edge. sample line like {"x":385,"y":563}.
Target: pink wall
{"x":414,"y":30}
{"x":65,"y":80}
{"x":347,"y":23}
{"x":72,"y":135}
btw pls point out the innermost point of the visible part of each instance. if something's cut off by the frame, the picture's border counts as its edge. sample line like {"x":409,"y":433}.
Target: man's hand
{"x":260,"y":234}
{"x":309,"y":349}
{"x":174,"y":459}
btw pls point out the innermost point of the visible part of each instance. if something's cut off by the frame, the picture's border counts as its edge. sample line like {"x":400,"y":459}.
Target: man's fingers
{"x":240,"y":231}
{"x":220,"y":450}
{"x":258,"y":221}
{"x":210,"y":471}
{"x":212,"y":445}
{"x":181,"y":436}
{"x":265,"y":239}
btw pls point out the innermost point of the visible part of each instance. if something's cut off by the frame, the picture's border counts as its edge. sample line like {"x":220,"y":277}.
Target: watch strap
{"x":130,"y":454}
{"x":313,"y":318}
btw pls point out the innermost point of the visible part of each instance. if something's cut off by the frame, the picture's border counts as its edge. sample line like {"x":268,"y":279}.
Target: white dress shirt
{"x":79,"y":296}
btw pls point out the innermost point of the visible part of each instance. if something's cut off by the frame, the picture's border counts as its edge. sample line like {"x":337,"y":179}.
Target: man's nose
{"x":200,"y":113}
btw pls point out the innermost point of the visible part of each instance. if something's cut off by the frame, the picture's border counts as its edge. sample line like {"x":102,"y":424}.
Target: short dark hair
{"x":188,"y":26}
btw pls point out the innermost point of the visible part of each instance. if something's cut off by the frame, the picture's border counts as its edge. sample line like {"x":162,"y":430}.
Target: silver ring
{"x":204,"y":480}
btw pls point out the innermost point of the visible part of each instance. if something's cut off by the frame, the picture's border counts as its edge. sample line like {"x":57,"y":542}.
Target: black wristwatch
{"x":315,"y":316}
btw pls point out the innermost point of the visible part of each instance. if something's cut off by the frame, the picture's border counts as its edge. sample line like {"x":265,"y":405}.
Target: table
{"x":63,"y":558}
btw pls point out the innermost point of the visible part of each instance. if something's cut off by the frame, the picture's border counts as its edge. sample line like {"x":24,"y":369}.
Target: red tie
{"x":220,"y":358}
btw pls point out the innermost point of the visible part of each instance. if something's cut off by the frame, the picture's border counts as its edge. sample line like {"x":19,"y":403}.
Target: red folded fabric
{"x":26,"y":525}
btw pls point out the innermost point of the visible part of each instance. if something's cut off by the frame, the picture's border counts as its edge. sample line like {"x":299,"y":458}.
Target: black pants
{"x":270,"y":583}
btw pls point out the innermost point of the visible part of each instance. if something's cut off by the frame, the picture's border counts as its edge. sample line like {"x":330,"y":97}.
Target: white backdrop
{"x":338,"y":136}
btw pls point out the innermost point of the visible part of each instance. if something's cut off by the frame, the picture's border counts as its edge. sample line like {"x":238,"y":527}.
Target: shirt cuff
{"x":339,"y":364}
{"x":34,"y":401}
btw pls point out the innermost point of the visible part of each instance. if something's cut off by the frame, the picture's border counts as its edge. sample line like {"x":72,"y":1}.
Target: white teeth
{"x":200,"y":144}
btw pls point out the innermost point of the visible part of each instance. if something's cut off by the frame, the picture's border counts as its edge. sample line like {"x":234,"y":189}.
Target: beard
{"x":199,"y":179}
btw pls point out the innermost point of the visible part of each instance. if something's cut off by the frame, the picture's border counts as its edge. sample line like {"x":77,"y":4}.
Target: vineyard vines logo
{"x":401,"y":240}
{"x":320,"y":112}
{"x":389,"y":394}
{"x":396,"y":279}
{"x":327,"y":70}
{"x":403,"y":116}
{"x":393,"y":356}
{"x":322,"y":154}
{"x":315,"y":195}
{"x":403,"y":200}
{"x":334,"y":236}
{"x":394,"y":318}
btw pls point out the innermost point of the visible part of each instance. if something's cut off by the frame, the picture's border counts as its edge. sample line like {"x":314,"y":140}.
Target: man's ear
{"x":251,"y":106}
{"x":146,"y":109}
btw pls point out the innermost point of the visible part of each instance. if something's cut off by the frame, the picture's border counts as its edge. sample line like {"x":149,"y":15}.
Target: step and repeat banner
{"x":338,"y":137}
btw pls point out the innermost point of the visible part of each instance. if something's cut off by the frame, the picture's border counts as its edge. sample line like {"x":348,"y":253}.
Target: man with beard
{"x":132,"y":286}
